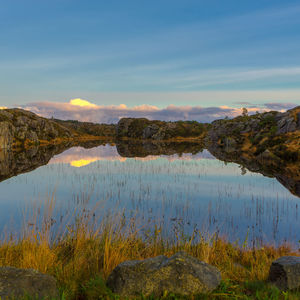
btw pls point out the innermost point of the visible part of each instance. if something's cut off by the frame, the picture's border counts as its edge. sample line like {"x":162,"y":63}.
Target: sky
{"x":136,"y":54}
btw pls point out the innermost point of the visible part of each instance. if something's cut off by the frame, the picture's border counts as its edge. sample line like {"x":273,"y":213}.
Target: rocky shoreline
{"x":273,"y":131}
{"x":267,"y":143}
{"x":181,"y":275}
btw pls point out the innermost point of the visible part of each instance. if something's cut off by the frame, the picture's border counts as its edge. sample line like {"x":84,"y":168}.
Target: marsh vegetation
{"x":88,"y":210}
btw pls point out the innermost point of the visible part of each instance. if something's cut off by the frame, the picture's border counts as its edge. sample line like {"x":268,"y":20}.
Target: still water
{"x":193,"y":191}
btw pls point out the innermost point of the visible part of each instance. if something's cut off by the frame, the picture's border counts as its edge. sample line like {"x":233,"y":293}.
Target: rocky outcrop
{"x":268,"y":143}
{"x":19,"y":127}
{"x":20,"y":283}
{"x":272,"y":131}
{"x":180,"y":274}
{"x":285,"y":272}
{"x":6,"y":135}
{"x":141,"y":128}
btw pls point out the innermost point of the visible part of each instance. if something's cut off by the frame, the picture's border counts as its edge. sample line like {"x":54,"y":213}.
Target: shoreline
{"x":85,"y":254}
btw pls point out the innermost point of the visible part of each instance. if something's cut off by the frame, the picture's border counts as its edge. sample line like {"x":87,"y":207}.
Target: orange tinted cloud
{"x":83,"y":110}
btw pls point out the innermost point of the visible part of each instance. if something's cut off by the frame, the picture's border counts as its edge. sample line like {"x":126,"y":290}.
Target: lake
{"x":179,"y":190}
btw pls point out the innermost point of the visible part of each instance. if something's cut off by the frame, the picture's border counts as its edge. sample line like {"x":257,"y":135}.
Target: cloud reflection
{"x":80,"y":157}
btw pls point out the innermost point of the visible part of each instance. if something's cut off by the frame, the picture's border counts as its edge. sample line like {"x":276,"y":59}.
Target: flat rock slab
{"x":285,"y":272}
{"x":180,"y":274}
{"x":15,"y":283}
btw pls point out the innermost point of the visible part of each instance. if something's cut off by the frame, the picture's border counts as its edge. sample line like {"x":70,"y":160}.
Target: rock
{"x":286,"y":124}
{"x":6,"y":135}
{"x":20,"y":282}
{"x":19,"y":126}
{"x":180,"y":274}
{"x":131,"y":127}
{"x":142,"y":128}
{"x":285,"y":272}
{"x":32,"y":136}
{"x":122,"y":127}
{"x":149,"y":131}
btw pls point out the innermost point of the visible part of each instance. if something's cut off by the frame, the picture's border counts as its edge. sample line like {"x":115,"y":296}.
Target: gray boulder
{"x":285,"y":272}
{"x":180,"y":274}
{"x":17,"y":283}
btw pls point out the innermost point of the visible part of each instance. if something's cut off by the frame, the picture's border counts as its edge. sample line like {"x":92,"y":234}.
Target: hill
{"x":21,"y":129}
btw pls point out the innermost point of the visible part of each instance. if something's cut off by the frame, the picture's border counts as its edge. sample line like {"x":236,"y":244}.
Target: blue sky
{"x":206,"y":53}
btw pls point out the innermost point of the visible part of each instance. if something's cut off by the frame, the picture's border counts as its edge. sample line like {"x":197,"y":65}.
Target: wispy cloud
{"x":84,"y":110}
{"x":185,"y":56}
{"x":280,"y":106}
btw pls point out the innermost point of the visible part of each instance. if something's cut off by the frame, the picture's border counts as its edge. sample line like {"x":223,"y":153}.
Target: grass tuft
{"x":82,"y":256}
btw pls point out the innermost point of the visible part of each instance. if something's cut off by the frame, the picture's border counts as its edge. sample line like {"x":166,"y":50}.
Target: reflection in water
{"x":15,"y":163}
{"x":288,"y":175}
{"x":173,"y":184}
{"x":146,"y":148}
{"x":82,"y":162}
{"x":12,"y":164}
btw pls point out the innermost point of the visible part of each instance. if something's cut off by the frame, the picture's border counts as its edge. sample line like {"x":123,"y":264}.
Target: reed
{"x":82,"y":253}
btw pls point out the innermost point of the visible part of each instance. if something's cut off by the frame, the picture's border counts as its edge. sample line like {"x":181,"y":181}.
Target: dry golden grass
{"x":83,"y":250}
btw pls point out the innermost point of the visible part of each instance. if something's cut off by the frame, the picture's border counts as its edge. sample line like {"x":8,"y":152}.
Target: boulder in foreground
{"x":180,"y":274}
{"x":17,"y":283}
{"x":285,"y":272}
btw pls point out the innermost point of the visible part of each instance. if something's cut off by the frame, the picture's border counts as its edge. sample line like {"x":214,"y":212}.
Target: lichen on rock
{"x":180,"y":274}
{"x":18,"y":283}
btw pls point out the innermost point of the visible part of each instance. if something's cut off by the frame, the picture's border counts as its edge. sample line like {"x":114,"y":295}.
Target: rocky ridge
{"x":276,"y":132}
{"x":267,"y":143}
{"x":21,"y":128}
{"x":142,"y":128}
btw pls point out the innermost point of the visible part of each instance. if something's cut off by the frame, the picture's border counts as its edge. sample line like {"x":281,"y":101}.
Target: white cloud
{"x":88,"y":111}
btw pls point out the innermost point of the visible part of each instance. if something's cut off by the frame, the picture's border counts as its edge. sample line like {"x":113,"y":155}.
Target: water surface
{"x":190,"y":191}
